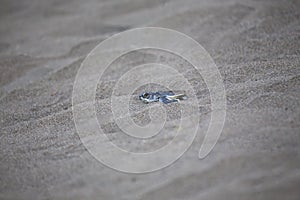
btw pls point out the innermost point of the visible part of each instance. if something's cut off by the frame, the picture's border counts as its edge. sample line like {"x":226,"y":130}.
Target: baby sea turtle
{"x":164,"y":96}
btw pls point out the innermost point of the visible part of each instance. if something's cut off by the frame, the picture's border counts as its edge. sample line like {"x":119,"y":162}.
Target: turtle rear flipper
{"x":178,"y":97}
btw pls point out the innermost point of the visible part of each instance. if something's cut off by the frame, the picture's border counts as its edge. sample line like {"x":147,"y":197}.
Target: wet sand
{"x":255,"y":45}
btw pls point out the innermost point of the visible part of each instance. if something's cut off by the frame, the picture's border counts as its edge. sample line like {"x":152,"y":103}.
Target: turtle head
{"x":145,"y":97}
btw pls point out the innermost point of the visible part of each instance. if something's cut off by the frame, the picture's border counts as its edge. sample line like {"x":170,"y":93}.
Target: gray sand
{"x":256,"y":46}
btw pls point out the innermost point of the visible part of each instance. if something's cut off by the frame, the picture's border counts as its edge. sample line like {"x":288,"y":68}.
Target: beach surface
{"x":254,"y":44}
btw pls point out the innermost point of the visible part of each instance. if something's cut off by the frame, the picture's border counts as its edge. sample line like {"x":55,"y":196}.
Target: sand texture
{"x":256,"y":47}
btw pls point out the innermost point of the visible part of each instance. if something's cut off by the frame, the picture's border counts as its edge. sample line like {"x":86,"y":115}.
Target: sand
{"x":255,"y":45}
